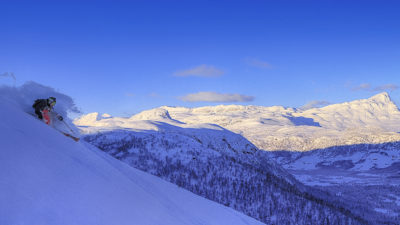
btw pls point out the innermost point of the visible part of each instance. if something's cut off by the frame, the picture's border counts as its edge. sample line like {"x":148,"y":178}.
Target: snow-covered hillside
{"x":47,"y":178}
{"x":373,"y":120}
{"x":217,"y":164}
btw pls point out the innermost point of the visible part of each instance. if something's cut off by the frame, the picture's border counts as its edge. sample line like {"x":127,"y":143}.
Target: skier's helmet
{"x":51,"y":101}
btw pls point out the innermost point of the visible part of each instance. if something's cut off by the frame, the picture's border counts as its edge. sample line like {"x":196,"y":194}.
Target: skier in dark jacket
{"x":43,"y":107}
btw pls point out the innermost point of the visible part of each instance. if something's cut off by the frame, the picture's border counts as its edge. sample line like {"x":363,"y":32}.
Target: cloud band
{"x":200,"y":71}
{"x":216,"y":97}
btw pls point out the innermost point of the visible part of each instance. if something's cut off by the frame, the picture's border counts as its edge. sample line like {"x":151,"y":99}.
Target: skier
{"x":43,"y":107}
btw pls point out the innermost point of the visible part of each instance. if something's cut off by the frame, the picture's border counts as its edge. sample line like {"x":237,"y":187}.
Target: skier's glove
{"x":60,"y":118}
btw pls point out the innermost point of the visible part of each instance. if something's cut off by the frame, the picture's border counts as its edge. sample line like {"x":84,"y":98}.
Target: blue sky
{"x":122,"y":57}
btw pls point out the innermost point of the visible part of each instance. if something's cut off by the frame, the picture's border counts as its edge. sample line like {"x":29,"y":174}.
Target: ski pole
{"x":68,"y":127}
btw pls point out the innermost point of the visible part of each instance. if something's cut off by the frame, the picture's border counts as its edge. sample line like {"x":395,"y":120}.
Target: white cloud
{"x":200,"y":71}
{"x":216,"y":97}
{"x":387,"y":87}
{"x":315,"y":104}
{"x":258,"y":63}
{"x":369,"y":87}
{"x":362,"y":87}
{"x":154,"y":95}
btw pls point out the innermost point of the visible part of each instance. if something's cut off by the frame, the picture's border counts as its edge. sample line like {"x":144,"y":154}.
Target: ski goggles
{"x":53,"y":104}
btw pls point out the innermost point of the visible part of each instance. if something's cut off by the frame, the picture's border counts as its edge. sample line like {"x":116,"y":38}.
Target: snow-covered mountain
{"x":217,"y":164}
{"x":343,"y":136}
{"x":47,"y":179}
{"x":373,"y":120}
{"x":92,"y":118}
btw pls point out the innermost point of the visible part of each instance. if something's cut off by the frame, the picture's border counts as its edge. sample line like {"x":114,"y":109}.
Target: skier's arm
{"x":39,"y":107}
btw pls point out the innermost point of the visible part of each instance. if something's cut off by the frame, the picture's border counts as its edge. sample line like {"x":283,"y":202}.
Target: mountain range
{"x":340,"y":149}
{"x":372,"y":120}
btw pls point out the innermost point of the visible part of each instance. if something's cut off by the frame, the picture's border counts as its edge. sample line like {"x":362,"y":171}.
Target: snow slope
{"x":47,"y":178}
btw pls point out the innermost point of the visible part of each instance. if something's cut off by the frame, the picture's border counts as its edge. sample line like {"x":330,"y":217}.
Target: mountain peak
{"x":90,"y":118}
{"x":381,"y":97}
{"x":153,"y":114}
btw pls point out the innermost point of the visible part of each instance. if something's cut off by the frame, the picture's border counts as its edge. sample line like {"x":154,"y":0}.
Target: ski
{"x":65,"y":134}
{"x":68,"y":135}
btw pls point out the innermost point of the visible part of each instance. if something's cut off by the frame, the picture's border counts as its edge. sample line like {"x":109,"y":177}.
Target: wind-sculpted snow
{"x":25,"y":95}
{"x":373,"y":120}
{"x":48,"y":179}
{"x":221,"y":166}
